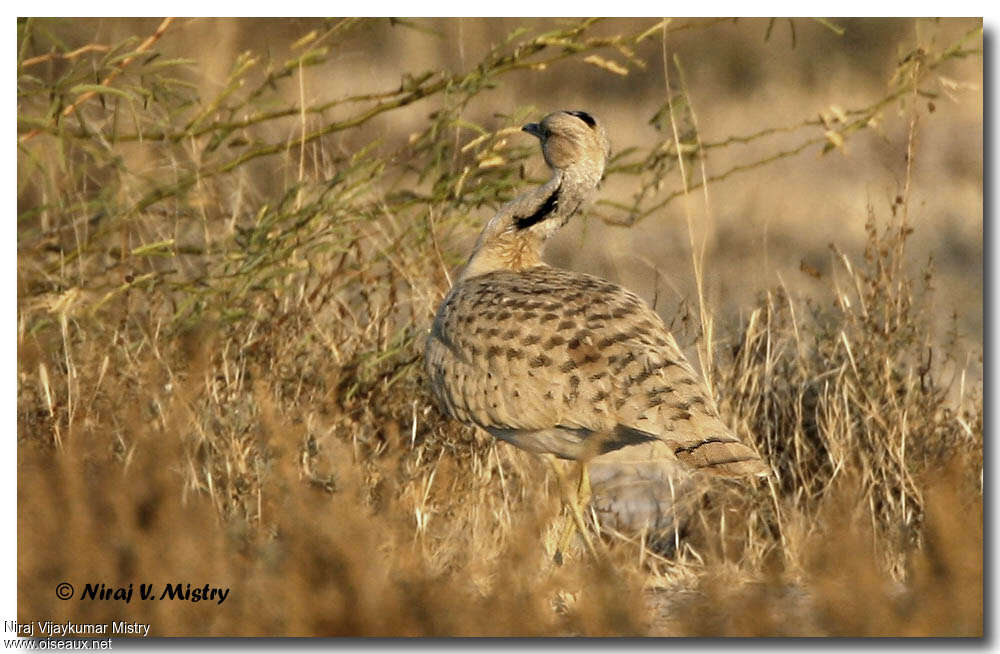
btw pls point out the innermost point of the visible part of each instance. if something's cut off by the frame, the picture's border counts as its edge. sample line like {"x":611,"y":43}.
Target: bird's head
{"x":572,"y":141}
{"x":576,"y":147}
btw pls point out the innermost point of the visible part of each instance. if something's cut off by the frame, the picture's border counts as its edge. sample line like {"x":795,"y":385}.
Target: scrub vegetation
{"x":232,"y":236}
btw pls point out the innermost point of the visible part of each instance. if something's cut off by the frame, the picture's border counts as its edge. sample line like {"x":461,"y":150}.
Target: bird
{"x":566,"y":364}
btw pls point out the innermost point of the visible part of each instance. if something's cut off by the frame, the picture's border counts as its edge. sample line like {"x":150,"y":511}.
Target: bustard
{"x":563,"y":363}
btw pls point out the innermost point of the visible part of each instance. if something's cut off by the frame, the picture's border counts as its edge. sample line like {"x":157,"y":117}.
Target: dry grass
{"x":222,"y":300}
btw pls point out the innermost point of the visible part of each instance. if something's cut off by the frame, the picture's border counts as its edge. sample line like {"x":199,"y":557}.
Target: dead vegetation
{"x":219,"y":374}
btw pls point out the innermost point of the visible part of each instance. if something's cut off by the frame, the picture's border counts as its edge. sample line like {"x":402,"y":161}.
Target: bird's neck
{"x":507,"y":251}
{"x":515,"y":238}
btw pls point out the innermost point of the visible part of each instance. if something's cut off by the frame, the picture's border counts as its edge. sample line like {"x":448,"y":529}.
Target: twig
{"x":90,"y":47}
{"x":106,"y":82}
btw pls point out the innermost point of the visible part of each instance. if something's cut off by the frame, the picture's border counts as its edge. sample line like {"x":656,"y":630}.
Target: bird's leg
{"x":583,"y":494}
{"x":575,"y":516}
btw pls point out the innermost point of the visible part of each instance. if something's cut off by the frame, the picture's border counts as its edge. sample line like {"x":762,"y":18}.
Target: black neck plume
{"x":547,"y":207}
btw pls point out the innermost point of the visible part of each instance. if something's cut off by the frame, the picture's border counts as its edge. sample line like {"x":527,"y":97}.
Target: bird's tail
{"x":722,"y":455}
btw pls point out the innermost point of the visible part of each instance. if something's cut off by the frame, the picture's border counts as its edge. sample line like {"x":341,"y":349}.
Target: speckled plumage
{"x":566,"y":363}
{"x":561,"y":362}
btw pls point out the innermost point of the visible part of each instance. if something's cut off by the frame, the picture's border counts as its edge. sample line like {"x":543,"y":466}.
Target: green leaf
{"x":158,"y":249}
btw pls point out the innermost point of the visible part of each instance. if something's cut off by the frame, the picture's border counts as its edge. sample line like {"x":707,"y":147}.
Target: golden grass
{"x":219,"y":374}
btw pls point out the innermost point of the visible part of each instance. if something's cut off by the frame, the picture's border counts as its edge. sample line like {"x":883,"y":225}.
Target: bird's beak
{"x":533,"y":129}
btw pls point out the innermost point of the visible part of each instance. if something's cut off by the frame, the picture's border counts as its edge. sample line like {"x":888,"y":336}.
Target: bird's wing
{"x":546,"y":348}
{"x":492,"y":355}
{"x":659,"y":393}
